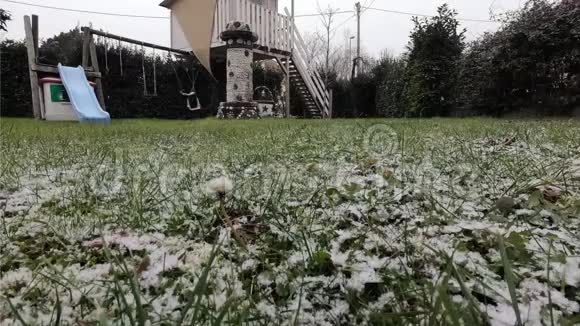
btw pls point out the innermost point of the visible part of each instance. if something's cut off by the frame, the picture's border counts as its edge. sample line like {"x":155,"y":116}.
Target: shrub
{"x":391,"y":81}
{"x":435,"y":48}
{"x":124,"y":92}
{"x":532,"y":63}
{"x":15,"y":99}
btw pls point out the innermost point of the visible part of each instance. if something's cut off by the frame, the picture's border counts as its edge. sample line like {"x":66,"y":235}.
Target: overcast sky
{"x":379,"y":30}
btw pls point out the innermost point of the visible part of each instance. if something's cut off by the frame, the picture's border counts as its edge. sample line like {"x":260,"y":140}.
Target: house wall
{"x":178,"y":39}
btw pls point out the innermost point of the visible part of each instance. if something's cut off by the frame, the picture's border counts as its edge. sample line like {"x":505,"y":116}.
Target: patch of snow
{"x":339,"y":258}
{"x":18,"y":277}
{"x":362,"y":274}
{"x":569,"y":272}
{"x":525,"y":212}
{"x":296,"y":259}
{"x":265,"y":279}
{"x":533,"y":290}
{"x":160,"y":261}
{"x":249,"y":264}
{"x":384,"y":300}
{"x":220,"y":300}
{"x":97,"y":272}
{"x":266,"y":309}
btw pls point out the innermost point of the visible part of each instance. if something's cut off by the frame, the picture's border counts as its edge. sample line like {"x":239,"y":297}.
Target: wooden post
{"x":86,"y":41}
{"x":35,"y":31}
{"x":32,"y":52}
{"x":288,"y":87}
{"x":95,"y":64}
{"x":291,"y":28}
{"x":358,"y":13}
{"x":331,"y":104}
{"x":290,"y":32}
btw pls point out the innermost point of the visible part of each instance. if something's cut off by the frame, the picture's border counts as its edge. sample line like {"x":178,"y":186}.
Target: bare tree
{"x":315,"y":49}
{"x":327,"y":18}
{"x":339,"y":54}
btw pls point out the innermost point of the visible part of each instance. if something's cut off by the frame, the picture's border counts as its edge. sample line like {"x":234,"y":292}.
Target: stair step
{"x":302,"y":91}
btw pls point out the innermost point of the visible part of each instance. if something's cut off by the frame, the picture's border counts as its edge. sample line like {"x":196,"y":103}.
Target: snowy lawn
{"x":388,"y":222}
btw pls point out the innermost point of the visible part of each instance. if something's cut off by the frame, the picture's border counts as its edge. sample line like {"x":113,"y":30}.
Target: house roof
{"x":167,"y":3}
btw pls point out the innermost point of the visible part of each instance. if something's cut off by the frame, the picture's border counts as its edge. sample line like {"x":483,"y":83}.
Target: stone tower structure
{"x":240,"y":86}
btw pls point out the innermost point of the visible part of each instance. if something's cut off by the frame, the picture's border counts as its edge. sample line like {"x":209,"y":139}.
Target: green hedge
{"x":124,"y":93}
{"x":531,"y":65}
{"x":15,"y":100}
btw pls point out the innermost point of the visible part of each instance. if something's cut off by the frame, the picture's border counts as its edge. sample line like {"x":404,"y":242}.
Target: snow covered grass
{"x":383,"y":222}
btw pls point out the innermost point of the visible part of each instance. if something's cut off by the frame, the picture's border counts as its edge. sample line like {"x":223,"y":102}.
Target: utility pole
{"x":350,"y":56}
{"x":350,"y":47}
{"x":358,"y":7}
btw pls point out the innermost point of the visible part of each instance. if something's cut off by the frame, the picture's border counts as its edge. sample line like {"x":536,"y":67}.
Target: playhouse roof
{"x":167,"y":3}
{"x":199,"y":31}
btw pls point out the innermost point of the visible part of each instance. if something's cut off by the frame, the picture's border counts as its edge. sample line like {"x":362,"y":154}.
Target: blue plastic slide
{"x":82,"y":95}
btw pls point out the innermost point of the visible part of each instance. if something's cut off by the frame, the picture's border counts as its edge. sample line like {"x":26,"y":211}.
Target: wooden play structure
{"x":202,"y":38}
{"x":279,"y":40}
{"x":40,"y":72}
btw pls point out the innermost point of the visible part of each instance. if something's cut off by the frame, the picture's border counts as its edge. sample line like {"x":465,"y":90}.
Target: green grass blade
{"x":218,"y":321}
{"x":510,"y":279}
{"x":449,"y":307}
{"x":200,"y":287}
{"x":550,"y":305}
{"x":16,"y":313}
{"x":58,"y":308}
{"x":140,"y":313}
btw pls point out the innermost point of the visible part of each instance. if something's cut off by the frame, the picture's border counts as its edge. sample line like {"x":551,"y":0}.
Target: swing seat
{"x":192,"y":93}
{"x":189,"y":95}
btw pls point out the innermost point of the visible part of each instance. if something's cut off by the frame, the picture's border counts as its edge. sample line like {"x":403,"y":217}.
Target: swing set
{"x":189,"y":94}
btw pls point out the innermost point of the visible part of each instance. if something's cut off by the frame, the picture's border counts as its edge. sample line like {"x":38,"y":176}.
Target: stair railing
{"x":309,"y":74}
{"x":270,"y":26}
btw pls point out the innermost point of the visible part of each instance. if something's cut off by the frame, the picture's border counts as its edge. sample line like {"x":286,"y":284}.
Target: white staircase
{"x":305,"y":79}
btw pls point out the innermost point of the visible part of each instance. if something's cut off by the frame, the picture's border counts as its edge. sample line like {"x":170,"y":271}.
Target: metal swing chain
{"x":171,"y":61}
{"x":121,"y":57}
{"x":193,"y":92}
{"x":181,"y":89}
{"x":143,"y":68}
{"x":154,"y":73}
{"x":106,"y":44}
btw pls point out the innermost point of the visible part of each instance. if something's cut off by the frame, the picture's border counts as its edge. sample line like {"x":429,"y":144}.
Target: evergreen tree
{"x":434,"y":52}
{"x":391,"y":79}
{"x":4,"y":18}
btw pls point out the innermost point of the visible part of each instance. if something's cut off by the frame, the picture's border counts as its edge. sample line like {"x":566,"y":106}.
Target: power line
{"x":324,"y":14}
{"x":365,"y":7}
{"x":83,"y":11}
{"x":343,"y":23}
{"x":430,"y":16}
{"x":297,"y":16}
